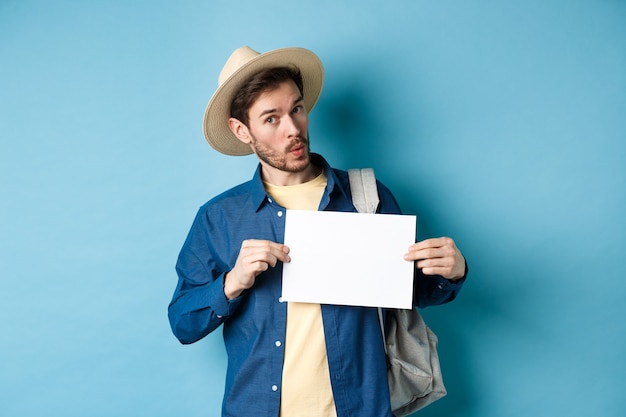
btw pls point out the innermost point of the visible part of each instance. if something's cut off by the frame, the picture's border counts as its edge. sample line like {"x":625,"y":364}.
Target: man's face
{"x":278,"y":126}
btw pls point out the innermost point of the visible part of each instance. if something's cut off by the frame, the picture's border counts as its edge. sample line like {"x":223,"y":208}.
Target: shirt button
{"x":280,"y":299}
{"x":274,"y":387}
{"x":269,"y":199}
{"x":280,"y":214}
{"x":278,"y":343}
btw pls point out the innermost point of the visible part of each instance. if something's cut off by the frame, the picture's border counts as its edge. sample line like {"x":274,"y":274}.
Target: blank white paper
{"x":349,"y":258}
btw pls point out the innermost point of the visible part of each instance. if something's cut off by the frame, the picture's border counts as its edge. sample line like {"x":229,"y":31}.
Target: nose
{"x":292,"y":127}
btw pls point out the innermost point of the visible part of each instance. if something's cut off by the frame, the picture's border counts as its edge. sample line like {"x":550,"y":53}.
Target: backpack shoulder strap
{"x":365,"y":200}
{"x":364,"y":190}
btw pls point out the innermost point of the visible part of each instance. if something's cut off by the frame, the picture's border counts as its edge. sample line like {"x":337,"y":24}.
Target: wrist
{"x":230,"y":291}
{"x":461,"y":275}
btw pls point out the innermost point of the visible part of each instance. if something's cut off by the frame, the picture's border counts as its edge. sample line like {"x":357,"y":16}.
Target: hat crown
{"x":240,"y":57}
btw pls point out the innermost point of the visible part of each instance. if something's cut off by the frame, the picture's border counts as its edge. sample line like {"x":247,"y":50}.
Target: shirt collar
{"x":260,"y":196}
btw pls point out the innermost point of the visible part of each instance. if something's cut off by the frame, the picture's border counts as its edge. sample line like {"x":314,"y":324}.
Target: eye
{"x":298,"y":109}
{"x":270,"y":120}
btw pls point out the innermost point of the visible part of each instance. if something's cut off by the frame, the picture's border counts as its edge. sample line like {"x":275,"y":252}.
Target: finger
{"x":264,"y":250}
{"x":431,"y":248}
{"x":449,"y":267}
{"x":429,"y":253}
{"x":278,"y":252}
{"x":445,"y":262}
{"x":261,"y":266}
{"x":265,"y":244}
{"x":259,"y":243}
{"x":441,"y":271}
{"x":436,"y":242}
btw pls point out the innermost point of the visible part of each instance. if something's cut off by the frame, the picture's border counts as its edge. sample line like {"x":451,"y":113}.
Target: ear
{"x":240,"y":130}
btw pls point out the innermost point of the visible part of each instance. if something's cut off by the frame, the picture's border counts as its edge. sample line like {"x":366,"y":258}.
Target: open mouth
{"x":298,"y":150}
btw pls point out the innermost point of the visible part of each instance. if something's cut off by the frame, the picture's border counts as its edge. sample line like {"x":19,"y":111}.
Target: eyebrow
{"x":270,"y":111}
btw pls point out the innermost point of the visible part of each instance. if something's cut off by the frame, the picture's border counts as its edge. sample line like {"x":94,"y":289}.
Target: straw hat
{"x":243,"y":64}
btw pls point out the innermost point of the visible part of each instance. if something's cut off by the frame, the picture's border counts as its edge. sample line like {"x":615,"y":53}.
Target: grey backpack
{"x":412,"y":361}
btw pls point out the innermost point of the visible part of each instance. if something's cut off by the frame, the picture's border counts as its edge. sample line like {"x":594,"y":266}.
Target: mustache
{"x":296,"y":143}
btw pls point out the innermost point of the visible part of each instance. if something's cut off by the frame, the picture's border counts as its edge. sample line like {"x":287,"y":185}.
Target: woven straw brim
{"x":215,"y":124}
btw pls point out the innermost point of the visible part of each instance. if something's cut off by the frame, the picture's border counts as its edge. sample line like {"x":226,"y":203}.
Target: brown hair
{"x":265,"y":80}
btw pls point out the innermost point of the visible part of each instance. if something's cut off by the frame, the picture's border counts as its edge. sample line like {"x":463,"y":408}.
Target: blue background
{"x":502,"y":124}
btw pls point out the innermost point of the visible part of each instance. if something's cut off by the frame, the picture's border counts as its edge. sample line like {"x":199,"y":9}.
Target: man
{"x":287,"y":359}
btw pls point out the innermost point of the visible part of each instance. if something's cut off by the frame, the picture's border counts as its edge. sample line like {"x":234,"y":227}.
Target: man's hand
{"x":438,"y":256}
{"x":255,"y":256}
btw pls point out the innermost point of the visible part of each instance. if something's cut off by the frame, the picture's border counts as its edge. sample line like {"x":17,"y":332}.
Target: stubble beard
{"x":280,"y":160}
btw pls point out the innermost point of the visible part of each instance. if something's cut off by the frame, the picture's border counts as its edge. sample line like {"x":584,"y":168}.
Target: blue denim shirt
{"x":254,"y":324}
